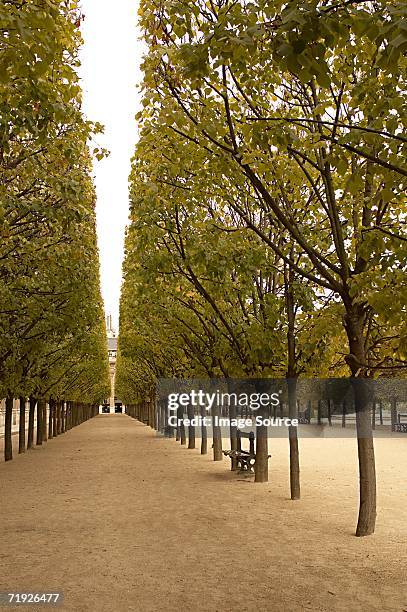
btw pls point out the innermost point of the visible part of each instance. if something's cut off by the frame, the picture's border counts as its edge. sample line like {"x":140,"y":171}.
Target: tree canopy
{"x":52,"y":334}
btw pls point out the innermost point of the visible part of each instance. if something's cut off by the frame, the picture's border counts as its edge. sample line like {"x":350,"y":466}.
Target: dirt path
{"x":120,"y":520}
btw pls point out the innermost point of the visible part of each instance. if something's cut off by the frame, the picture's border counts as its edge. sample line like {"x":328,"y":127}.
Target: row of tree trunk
{"x":144,"y":411}
{"x":51,"y":423}
{"x":365,"y":421}
{"x":156,"y":417}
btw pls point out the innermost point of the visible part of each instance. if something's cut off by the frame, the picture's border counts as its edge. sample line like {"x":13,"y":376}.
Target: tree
{"x":256,"y":88}
{"x":53,"y":340}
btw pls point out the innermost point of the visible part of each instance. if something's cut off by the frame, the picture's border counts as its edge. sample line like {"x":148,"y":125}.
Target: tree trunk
{"x":191,"y":428}
{"x":292,"y":382}
{"x":68,"y":415}
{"x":31,"y":420}
{"x":180,"y":417}
{"x":169,"y":429}
{"x":55,"y":419}
{"x":309,"y":411}
{"x":393,"y":413}
{"x":163,"y":426}
{"x":21,"y":427}
{"x":51,"y":418}
{"x":63,"y":417}
{"x":59,"y":417}
{"x":233,"y":435}
{"x":44,"y":422}
{"x":204,"y":433}
{"x":356,"y":361}
{"x":216,"y":435}
{"x":293,"y":440}
{"x":8,"y":441}
{"x":40,"y":414}
{"x":367,"y":470}
{"x":261,"y":468}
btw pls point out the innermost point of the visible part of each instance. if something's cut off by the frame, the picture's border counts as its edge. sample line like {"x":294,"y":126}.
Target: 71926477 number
{"x":23,"y":598}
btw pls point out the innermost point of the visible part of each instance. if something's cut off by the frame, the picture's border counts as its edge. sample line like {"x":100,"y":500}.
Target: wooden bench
{"x":245,"y":459}
{"x":304,"y":417}
{"x":399,"y":426}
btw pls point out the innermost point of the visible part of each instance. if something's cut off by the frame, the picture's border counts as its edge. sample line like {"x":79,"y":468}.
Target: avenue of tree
{"x":52,"y":332}
{"x":268,"y":208}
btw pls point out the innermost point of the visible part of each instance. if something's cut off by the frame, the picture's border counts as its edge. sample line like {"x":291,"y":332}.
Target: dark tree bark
{"x":295,"y":489}
{"x":40,"y":415}
{"x":216,"y":435}
{"x":232,"y":433}
{"x":31,"y":421}
{"x":393,"y":413}
{"x":63,"y":417}
{"x":8,"y":441}
{"x":161,"y":423}
{"x":44,"y":422}
{"x":204,"y":433}
{"x":356,"y":360}
{"x":182,"y":434}
{"x":292,"y":382}
{"x":59,"y":408}
{"x":54,"y":419}
{"x":51,"y":419}
{"x":21,"y":427}
{"x":261,"y":468}
{"x":367,"y":470}
{"x":191,"y":428}
{"x":68,"y":415}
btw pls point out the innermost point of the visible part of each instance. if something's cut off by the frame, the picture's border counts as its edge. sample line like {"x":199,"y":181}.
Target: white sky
{"x":110,"y":72}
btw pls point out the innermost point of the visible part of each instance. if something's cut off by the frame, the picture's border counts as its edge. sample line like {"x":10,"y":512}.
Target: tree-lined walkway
{"x":122,"y":520}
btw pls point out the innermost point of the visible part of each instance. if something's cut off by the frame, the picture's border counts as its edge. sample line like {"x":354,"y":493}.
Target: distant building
{"x":112,"y":404}
{"x":112,"y":349}
{"x":109,"y":327}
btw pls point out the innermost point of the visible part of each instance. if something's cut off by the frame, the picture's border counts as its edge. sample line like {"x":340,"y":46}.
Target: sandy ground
{"x":121,"y":520}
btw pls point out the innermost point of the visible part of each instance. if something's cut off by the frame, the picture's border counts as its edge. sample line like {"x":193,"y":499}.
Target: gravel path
{"x":121,"y":520}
